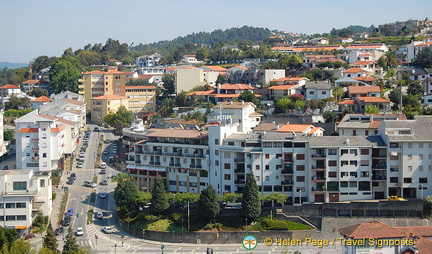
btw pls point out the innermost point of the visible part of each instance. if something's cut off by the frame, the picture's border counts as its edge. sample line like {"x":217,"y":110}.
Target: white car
{"x":80,"y":231}
{"x":99,"y":215}
{"x":79,"y":164}
{"x":107,"y":230}
{"x":104,"y":181}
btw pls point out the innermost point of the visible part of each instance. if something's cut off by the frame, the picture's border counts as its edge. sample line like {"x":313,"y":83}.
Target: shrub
{"x":151,"y":217}
{"x":93,"y":197}
{"x":160,"y":225}
{"x":54,"y":195}
{"x":427,"y":205}
{"x":274,"y":224}
{"x":176,"y":216}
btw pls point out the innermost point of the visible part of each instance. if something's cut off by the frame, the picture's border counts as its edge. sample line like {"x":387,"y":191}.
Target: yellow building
{"x":141,"y":98}
{"x":98,"y":83}
{"x":105,"y":104}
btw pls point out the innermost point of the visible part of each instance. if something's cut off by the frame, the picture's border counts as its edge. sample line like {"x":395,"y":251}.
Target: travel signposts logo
{"x":249,"y":242}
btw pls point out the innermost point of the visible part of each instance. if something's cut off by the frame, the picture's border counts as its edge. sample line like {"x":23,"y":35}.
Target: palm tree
{"x":390,"y":59}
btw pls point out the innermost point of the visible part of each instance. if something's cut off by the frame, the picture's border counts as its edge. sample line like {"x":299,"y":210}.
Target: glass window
{"x":10,"y":205}
{"x":21,"y":217}
{"x":20,"y":205}
{"x":19,"y":186}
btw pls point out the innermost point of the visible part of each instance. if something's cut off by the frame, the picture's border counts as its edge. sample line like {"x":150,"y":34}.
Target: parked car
{"x":59,"y":230}
{"x":96,"y":129}
{"x":5,"y":167}
{"x":73,"y":176}
{"x":79,"y":164}
{"x":66,"y":220}
{"x":99,"y":215}
{"x":102,"y":195}
{"x":107,"y":230}
{"x":70,"y":181}
{"x":80,"y":231}
{"x":89,"y":183}
{"x":104,"y":181}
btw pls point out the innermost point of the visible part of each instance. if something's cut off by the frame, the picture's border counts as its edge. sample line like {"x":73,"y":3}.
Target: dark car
{"x":5,"y":167}
{"x":66,"y":221}
{"x":59,"y":231}
{"x":70,"y":181}
{"x":73,"y":176}
{"x":96,"y":129}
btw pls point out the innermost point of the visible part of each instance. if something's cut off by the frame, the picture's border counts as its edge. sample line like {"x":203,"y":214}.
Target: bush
{"x":54,"y":195}
{"x":151,"y":217}
{"x":93,"y":197}
{"x":160,"y":225}
{"x":176,"y":216}
{"x":274,"y":224}
{"x":427,"y":205}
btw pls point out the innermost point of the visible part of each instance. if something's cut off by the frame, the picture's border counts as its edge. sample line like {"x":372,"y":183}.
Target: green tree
{"x":126,"y":194}
{"x":64,"y":76}
{"x":42,"y":62}
{"x":70,"y":246}
{"x":221,"y":79}
{"x":415,"y":88}
{"x":7,"y":236}
{"x":231,"y":197}
{"x":122,"y":115}
{"x":38,"y":92}
{"x":281,"y":104}
{"x":50,"y":240}
{"x":251,"y":205}
{"x":388,"y":60}
{"x":9,"y":135}
{"x":159,"y":201}
{"x":208,"y":205}
{"x":19,"y":246}
{"x":279,"y":198}
{"x":202,"y":54}
{"x":40,"y":220}
{"x":424,"y":58}
{"x":394,"y":96}
{"x":248,"y":96}
{"x":371,"y":109}
{"x":329,"y":117}
{"x":168,"y":83}
{"x":18,"y":103}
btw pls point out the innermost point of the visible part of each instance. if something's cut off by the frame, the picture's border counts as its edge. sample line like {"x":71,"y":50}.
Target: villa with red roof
{"x":363,"y":91}
{"x":358,"y":105}
{"x":224,"y":92}
{"x":40,"y":101}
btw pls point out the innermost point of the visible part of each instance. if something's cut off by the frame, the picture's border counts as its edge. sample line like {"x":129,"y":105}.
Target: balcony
{"x":318,"y":167}
{"x":318,"y":188}
{"x":35,"y":148}
{"x":379,"y":166}
{"x":318,"y":156}
{"x":379,"y":177}
{"x":287,"y":182}
{"x":35,"y":139}
{"x":239,"y":160}
{"x":35,"y":159}
{"x":287,"y":172}
{"x":318,"y":178}
{"x":240,"y":181}
{"x":239,"y":170}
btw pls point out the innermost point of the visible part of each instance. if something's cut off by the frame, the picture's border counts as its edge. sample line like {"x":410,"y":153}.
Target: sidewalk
{"x":55,"y":213}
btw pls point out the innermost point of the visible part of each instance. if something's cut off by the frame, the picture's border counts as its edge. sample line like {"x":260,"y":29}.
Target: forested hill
{"x":245,"y":33}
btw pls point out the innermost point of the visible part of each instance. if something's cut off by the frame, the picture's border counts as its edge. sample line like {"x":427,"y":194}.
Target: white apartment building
{"x":394,"y":160}
{"x":40,"y":142}
{"x":23,"y":194}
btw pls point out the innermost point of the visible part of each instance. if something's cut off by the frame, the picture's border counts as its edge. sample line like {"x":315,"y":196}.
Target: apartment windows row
{"x":14,"y":217}
{"x":13,"y":205}
{"x":185,"y":184}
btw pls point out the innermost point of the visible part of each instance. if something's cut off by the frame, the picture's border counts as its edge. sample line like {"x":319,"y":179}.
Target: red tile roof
{"x":42,"y":99}
{"x":214,"y":67}
{"x":364,"y":89}
{"x":289,"y":79}
{"x":140,"y":87}
{"x":372,"y":99}
{"x":354,"y":70}
{"x":202,"y":93}
{"x":281,"y":87}
{"x":34,"y":81}
{"x":374,"y":229}
{"x":365,"y":79}
{"x":298,"y":128}
{"x":9,"y":86}
{"x":365,"y":46}
{"x":347,"y":102}
{"x":227,"y":86}
{"x":28,"y":130}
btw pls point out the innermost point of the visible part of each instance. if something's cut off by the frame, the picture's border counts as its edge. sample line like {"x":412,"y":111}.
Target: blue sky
{"x":31,"y":28}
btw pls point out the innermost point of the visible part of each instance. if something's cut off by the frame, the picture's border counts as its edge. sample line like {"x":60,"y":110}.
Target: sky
{"x":32,"y":28}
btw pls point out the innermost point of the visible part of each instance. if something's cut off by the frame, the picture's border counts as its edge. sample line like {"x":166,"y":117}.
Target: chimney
{"x":242,"y":102}
{"x":218,"y":88}
{"x":277,"y":126}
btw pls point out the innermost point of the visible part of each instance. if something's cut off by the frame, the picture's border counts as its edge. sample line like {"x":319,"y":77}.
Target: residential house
{"x":296,"y":129}
{"x":148,"y":60}
{"x":358,"y":105}
{"x":277,"y":91}
{"x":141,"y":98}
{"x":364,"y":124}
{"x":105,"y":104}
{"x":375,"y":49}
{"x":343,"y":40}
{"x":317,"y":90}
{"x":7,"y":91}
{"x":191,"y":59}
{"x":363,"y":91}
{"x":36,"y":103}
{"x":320,"y":41}
{"x":29,"y":85}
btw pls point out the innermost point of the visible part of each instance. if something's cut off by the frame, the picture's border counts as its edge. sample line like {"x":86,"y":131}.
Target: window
{"x":332,"y":174}
{"x":257,"y":178}
{"x":332,"y":163}
{"x":267,"y":156}
{"x":423,"y":180}
{"x":364,"y":174}
{"x":344,"y":174}
{"x":42,"y":182}
{"x":353,"y":184}
{"x":217,"y":163}
{"x":257,"y":167}
{"x":300,"y":179}
{"x":344,"y":151}
{"x":227,"y":166}
{"x":407,"y":180}
{"x":300,"y":156}
{"x":420,"y":145}
{"x":364,"y":163}
{"x":19,"y":186}
{"x":227,"y":177}
{"x":394,"y":179}
{"x":267,"y":178}
{"x":364,"y":151}
{"x":353,"y":174}
{"x":227,"y":188}
{"x":216,"y":141}
{"x":421,"y":156}
{"x":300,"y":167}
{"x":21,"y":217}
{"x":216,"y":152}
{"x":409,"y":168}
{"x":10,"y":205}
{"x":10,"y":218}
{"x":420,"y":168}
{"x":353,"y":163}
{"x":353,"y":151}
{"x":332,"y":151}
{"x":409,"y":156}
{"x":267,"y":167}
{"x":343,"y":184}
{"x":20,"y":205}
{"x":344,"y":163}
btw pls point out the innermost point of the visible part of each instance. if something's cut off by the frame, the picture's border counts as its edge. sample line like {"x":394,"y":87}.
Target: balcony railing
{"x":287,"y":171}
{"x":318,"y":188}
{"x":318,"y":155}
{"x":287,"y":182}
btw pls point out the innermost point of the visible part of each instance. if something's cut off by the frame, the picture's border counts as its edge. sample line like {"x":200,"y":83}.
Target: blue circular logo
{"x":249,"y":242}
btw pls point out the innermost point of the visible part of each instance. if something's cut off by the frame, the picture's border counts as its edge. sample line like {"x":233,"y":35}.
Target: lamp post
{"x":94,"y":169}
{"x":127,"y":212}
{"x":182,"y":232}
{"x":115,"y":248}
{"x":246,"y":227}
{"x":421,"y":189}
{"x":300,"y":201}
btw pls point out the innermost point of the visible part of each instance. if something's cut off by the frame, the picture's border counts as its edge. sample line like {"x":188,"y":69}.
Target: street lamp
{"x":300,"y":201}
{"x":127,"y":212}
{"x":182,"y":232}
{"x":115,"y":248}
{"x":421,"y":189}
{"x":246,"y":226}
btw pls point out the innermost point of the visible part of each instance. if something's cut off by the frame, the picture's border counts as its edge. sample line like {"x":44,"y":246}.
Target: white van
{"x":103,"y":165}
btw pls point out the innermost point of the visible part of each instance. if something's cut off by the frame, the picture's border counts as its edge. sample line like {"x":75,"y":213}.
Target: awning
{"x":151,"y":168}
{"x":20,"y":227}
